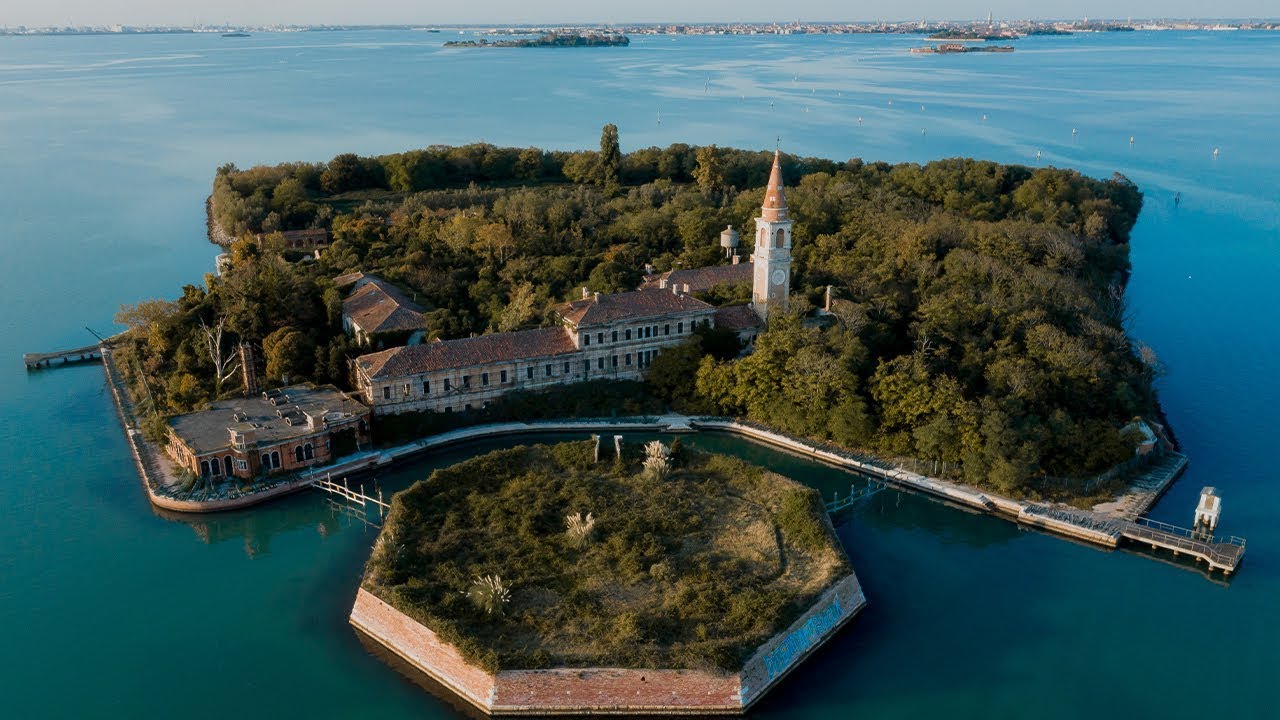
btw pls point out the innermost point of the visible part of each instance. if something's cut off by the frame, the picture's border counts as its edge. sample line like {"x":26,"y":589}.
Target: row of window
{"x":270,"y":461}
{"x":641,"y":333}
{"x":642,"y":359}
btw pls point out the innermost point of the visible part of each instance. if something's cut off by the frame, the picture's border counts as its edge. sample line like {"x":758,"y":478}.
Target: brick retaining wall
{"x":422,"y":648}
{"x":610,"y":691}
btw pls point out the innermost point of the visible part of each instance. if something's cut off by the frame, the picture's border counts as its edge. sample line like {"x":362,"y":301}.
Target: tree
{"x":609,"y":163}
{"x":289,"y":354}
{"x":520,"y":308}
{"x":345,"y":172}
{"x":156,"y":320}
{"x":225,"y":362}
{"x":709,"y":174}
{"x":529,"y":164}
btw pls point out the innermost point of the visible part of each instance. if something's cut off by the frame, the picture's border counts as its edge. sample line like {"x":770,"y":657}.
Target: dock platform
{"x":38,"y":361}
{"x":1219,"y":553}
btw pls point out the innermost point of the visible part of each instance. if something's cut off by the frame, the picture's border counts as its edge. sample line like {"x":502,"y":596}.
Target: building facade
{"x":279,"y":431}
{"x":612,"y":337}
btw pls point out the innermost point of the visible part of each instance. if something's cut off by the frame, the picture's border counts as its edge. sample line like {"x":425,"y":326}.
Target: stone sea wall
{"x":610,"y":691}
{"x":779,"y":656}
{"x":422,"y":649}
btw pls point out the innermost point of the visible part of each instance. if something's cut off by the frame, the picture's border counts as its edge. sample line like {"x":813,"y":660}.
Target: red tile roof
{"x":350,"y":278}
{"x":635,"y":305}
{"x":468,"y":352}
{"x":737,"y":317}
{"x":377,"y":306}
{"x":701,"y":279}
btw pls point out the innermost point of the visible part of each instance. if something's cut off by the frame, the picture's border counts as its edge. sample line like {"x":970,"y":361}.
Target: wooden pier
{"x":38,"y":361}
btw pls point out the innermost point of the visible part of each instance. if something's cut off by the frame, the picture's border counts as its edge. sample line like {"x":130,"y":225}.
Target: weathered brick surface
{"x":788,"y":649}
{"x":422,"y":648}
{"x":605,"y":690}
{"x":610,"y":690}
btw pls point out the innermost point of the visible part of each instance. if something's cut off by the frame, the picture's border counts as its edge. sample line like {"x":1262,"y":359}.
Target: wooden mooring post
{"x":355,"y":503}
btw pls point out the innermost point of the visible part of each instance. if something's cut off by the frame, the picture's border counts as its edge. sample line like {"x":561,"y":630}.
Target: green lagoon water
{"x":107,"y":151}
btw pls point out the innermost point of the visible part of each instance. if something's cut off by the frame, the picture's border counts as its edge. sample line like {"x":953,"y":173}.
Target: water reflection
{"x":890,"y":511}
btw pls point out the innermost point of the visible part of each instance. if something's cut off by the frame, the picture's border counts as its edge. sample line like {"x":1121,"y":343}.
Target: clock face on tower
{"x":779,"y":276}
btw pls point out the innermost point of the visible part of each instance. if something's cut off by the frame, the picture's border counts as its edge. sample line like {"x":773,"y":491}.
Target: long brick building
{"x":600,"y":336}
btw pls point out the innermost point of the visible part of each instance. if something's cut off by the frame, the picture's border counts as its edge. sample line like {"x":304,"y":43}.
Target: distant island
{"x":985,"y":34}
{"x":949,"y":48}
{"x":556,"y":40}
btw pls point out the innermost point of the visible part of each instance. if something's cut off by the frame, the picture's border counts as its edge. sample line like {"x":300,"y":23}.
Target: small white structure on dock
{"x":1208,"y":510}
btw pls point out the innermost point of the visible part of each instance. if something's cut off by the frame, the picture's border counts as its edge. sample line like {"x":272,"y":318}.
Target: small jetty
{"x":74,"y":356}
{"x":58,"y":358}
{"x":1217,"y":553}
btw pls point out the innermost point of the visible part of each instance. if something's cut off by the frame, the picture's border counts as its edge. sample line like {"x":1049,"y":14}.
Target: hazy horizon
{"x":39,"y":13}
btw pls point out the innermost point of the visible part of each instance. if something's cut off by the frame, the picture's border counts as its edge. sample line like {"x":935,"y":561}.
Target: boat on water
{"x":235,"y":34}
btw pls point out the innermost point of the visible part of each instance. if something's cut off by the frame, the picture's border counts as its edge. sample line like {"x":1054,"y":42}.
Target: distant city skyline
{"x":376,"y":12}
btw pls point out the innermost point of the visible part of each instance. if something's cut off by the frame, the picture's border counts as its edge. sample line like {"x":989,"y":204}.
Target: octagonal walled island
{"x":540,"y":581}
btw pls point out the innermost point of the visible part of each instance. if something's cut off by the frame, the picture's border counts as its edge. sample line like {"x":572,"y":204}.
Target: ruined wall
{"x":570,"y":691}
{"x":611,"y":690}
{"x":789,"y":648}
{"x":422,"y":649}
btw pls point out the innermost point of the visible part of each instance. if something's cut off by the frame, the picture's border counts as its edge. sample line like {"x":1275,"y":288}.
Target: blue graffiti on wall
{"x":798,"y":642}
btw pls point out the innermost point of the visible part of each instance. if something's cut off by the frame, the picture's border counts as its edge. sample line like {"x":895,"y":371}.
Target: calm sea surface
{"x":107,"y":151}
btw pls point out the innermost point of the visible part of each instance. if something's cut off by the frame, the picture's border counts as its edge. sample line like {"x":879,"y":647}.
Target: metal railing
{"x":1187,"y":533}
{"x":855,"y":494}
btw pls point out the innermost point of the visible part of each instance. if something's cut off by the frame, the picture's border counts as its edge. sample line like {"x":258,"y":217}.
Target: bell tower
{"x":771,"y":277}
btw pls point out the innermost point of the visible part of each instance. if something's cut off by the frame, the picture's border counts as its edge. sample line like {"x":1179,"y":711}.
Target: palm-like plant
{"x":657,"y":460}
{"x":490,"y":594}
{"x":579,"y":527}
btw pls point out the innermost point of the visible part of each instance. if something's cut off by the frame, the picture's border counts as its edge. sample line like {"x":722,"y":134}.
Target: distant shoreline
{"x":1020,"y":27}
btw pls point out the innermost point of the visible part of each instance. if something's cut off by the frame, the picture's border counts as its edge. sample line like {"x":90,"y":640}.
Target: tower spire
{"x":775,"y":201}
{"x":771,"y":272}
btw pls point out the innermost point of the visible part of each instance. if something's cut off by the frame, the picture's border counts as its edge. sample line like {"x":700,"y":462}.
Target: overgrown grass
{"x":695,"y":570}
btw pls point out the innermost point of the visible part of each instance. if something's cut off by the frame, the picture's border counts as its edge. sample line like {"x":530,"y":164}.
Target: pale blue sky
{"x":153,"y":12}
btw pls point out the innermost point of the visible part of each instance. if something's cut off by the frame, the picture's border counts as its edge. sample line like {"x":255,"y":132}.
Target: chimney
{"x":827,"y":307}
{"x":686,"y":288}
{"x":585,"y":293}
{"x":597,"y":297}
{"x":736,"y":259}
{"x":662,"y":284}
{"x":675,"y":288}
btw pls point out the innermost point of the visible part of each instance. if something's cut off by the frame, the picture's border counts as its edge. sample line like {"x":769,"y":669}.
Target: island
{"x":575,"y":578}
{"x":960,"y":318}
{"x":971,"y":34}
{"x":552,"y":40}
{"x":948,"y":48}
